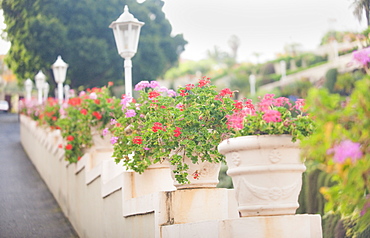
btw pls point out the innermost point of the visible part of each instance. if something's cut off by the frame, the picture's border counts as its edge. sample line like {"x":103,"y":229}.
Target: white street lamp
{"x":28,"y":86}
{"x":126,"y":30}
{"x":60,"y":72}
{"x":252,"y":81}
{"x":40,"y":80}
{"x":45,"y":89}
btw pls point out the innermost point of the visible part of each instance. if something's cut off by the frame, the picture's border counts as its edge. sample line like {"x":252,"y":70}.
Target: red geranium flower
{"x":153,"y":94}
{"x":158,"y":126}
{"x":183,"y":93}
{"x":74,"y":101}
{"x":70,"y":138}
{"x":189,"y":86}
{"x":83,"y":111}
{"x":97,"y":115}
{"x":69,"y":147}
{"x":203,"y":82}
{"x":137,"y":140}
{"x":177,"y":132}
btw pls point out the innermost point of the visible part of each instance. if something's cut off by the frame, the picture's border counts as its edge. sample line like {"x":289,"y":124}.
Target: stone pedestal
{"x":292,"y":226}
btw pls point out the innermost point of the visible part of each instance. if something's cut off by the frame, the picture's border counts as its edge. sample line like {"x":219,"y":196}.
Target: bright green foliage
{"x":339,"y":120}
{"x":346,"y":82}
{"x":297,"y":89}
{"x":40,"y":30}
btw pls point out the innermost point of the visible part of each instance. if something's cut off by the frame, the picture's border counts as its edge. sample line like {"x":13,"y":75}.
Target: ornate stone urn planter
{"x":266,"y":172}
{"x":201,"y":175}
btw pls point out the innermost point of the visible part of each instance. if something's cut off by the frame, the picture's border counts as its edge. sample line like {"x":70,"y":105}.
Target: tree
{"x":40,"y":30}
{"x":217,"y":55}
{"x":359,"y":6}
{"x":292,"y":49}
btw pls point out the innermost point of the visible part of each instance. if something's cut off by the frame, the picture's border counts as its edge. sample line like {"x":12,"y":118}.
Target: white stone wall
{"x":102,"y":199}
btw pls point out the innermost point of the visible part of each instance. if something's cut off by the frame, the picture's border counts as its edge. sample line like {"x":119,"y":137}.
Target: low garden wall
{"x":102,"y":199}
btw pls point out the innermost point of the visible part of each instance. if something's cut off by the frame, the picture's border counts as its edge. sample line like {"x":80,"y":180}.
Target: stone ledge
{"x":292,"y":226}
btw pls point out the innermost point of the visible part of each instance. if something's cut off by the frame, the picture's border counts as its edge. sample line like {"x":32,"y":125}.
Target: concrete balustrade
{"x":103,"y":199}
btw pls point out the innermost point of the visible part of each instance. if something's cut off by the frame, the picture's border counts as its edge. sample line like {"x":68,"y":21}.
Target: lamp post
{"x":60,"y":72}
{"x":126,"y":30}
{"x":283,"y":70}
{"x":66,"y":91}
{"x":28,"y":86}
{"x":40,"y":80}
{"x":252,"y":82}
{"x":45,"y":89}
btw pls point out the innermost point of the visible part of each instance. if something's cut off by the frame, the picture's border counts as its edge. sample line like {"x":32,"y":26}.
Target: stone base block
{"x":292,"y":226}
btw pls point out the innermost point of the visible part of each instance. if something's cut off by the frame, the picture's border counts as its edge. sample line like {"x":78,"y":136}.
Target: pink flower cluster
{"x":272,"y":116}
{"x":130,"y":113}
{"x":145,"y":84}
{"x":346,"y":150}
{"x":269,"y":101}
{"x":362,"y":56}
{"x":154,"y":84}
{"x":125,"y":101}
{"x":267,"y":107}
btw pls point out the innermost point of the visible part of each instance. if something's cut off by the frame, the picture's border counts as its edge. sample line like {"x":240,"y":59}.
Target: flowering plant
{"x":163,"y":124}
{"x":340,"y":147}
{"x":93,"y":108}
{"x":362,"y":57}
{"x":45,"y":114}
{"x":270,"y":116}
{"x":132,"y":139}
{"x":50,"y":113}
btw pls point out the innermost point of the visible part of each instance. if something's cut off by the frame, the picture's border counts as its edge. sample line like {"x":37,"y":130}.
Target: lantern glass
{"x":126,"y":30}
{"x":40,"y":79}
{"x":59,"y":70}
{"x":60,"y":74}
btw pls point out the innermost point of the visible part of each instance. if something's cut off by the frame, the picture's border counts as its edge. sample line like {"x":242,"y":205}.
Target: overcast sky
{"x":263,"y":26}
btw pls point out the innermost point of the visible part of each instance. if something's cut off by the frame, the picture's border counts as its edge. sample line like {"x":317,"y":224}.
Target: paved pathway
{"x":27,"y":208}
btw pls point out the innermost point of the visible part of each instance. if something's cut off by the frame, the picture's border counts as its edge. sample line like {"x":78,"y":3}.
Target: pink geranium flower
{"x":346,"y":150}
{"x":272,"y":116}
{"x":113,"y":140}
{"x":105,"y":131}
{"x":235,"y":121}
{"x":142,"y":85}
{"x":362,"y":56}
{"x":130,"y":113}
{"x":93,"y":96}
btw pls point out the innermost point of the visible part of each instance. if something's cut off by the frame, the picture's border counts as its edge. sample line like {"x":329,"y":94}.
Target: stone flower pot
{"x":266,"y":172}
{"x":201,"y":175}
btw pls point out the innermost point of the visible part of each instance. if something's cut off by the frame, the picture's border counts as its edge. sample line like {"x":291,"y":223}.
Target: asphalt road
{"x":27,"y":208}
